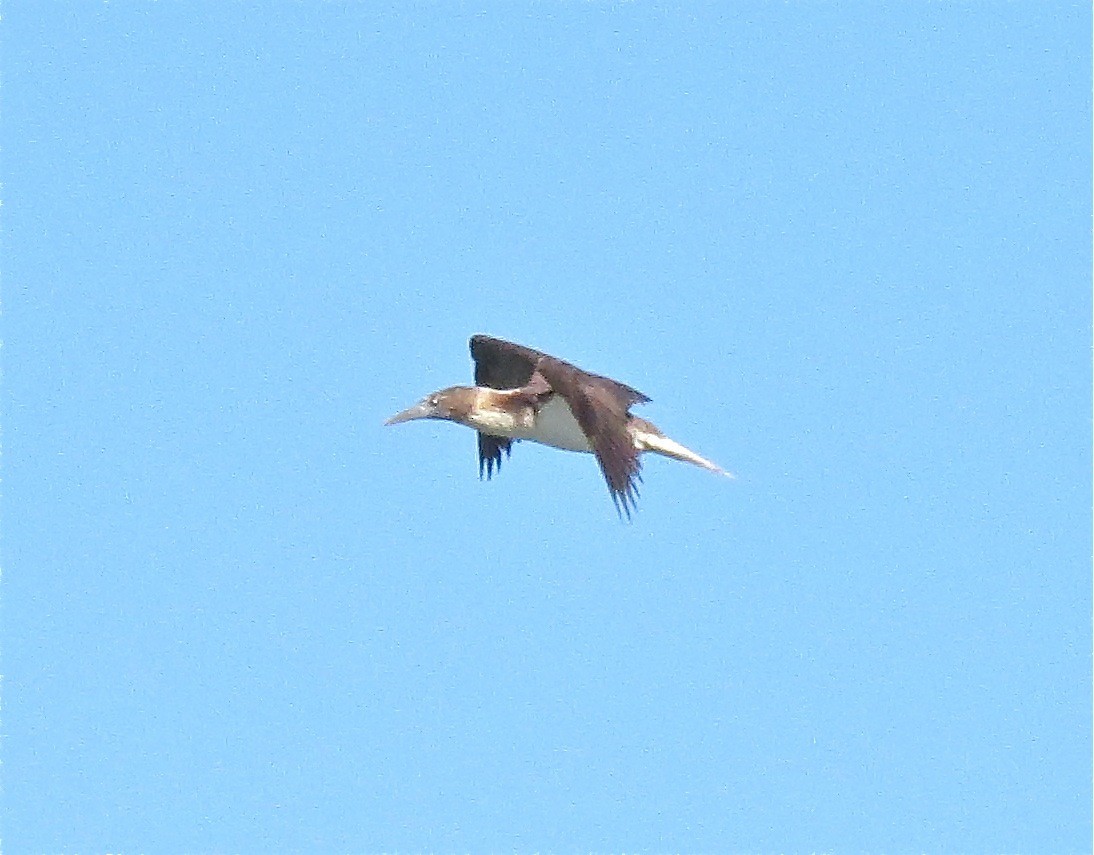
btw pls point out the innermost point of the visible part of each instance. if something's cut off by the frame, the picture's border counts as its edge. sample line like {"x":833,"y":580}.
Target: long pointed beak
{"x":418,"y":411}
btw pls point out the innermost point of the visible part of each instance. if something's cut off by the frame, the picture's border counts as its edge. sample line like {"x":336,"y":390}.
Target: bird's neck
{"x":500,"y":413}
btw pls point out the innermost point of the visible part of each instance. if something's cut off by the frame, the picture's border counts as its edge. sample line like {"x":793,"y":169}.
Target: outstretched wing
{"x":499,"y":364}
{"x":601,"y":406}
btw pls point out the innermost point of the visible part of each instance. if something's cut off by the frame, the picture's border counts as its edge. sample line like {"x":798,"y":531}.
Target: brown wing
{"x":499,"y":364}
{"x":490,"y":449}
{"x":601,"y":407}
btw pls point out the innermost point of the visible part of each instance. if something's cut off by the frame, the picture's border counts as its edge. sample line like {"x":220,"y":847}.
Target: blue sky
{"x":845,"y":248}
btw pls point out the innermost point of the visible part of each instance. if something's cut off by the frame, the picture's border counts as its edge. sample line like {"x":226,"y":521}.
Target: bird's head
{"x":452,"y":404}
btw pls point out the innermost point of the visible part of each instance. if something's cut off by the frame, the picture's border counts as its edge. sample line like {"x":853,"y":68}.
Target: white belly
{"x":556,"y":426}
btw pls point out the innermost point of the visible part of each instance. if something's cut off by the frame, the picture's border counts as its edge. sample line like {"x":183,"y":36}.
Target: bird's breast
{"x":552,"y":423}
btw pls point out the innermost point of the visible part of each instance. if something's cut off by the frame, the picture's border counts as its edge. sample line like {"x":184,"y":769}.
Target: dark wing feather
{"x":499,"y":364}
{"x":490,"y":449}
{"x":601,"y":407}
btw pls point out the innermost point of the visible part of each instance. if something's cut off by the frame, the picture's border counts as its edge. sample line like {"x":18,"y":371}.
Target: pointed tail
{"x":648,"y":438}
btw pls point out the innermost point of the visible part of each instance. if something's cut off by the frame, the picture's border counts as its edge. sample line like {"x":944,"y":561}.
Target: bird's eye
{"x":433,"y":401}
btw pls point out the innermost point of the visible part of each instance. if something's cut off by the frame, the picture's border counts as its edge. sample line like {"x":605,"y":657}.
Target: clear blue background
{"x":844,"y":247}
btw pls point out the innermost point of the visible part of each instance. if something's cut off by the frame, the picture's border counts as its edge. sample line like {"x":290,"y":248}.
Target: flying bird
{"x":520,"y":393}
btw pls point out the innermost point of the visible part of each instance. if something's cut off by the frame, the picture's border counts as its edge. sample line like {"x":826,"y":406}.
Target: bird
{"x":524,"y":394}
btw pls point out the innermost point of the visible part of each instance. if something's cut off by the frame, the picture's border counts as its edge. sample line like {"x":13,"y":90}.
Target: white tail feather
{"x":649,"y":438}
